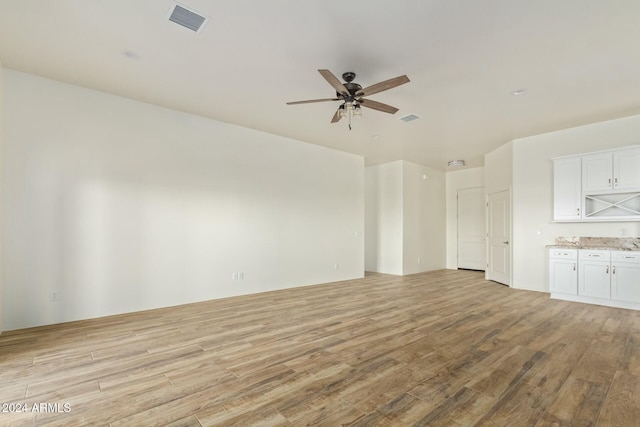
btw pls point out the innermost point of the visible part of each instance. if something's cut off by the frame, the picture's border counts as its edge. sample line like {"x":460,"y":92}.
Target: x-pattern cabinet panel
{"x":603,"y":186}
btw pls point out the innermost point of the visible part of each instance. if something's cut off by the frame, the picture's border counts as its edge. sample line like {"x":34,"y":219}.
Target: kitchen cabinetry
{"x":597,"y":172}
{"x":563,"y":271}
{"x":567,"y":194}
{"x":604,"y":277}
{"x":625,"y":276}
{"x":611,"y":171}
{"x":594,"y":277}
{"x":603,"y":186}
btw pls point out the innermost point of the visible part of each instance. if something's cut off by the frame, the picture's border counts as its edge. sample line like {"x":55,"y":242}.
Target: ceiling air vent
{"x":410,"y":117}
{"x":187,"y":18}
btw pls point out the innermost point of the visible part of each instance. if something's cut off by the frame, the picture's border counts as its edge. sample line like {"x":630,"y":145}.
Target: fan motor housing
{"x":353,"y":88}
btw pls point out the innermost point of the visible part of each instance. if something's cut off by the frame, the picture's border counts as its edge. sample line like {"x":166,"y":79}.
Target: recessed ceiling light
{"x":519,"y":92}
{"x":456,"y":163}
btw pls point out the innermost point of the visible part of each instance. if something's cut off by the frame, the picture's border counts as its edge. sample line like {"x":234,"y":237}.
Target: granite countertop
{"x":597,"y":243}
{"x":595,"y":248}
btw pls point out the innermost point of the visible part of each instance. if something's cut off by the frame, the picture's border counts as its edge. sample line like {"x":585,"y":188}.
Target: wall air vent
{"x":410,"y":117}
{"x":187,"y":18}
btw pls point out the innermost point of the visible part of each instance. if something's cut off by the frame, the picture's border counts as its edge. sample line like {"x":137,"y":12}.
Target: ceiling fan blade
{"x":333,"y":81}
{"x":385,"y":85}
{"x":309,"y":101}
{"x":375,"y":105}
{"x":336,"y":117}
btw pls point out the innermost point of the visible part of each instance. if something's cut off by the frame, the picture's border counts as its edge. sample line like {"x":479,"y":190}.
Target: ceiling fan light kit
{"x":353,"y":95}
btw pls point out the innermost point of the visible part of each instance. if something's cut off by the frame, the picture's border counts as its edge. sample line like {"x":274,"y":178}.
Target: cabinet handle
{"x":609,"y":182}
{"x":607,"y":269}
{"x":616,"y":181}
{"x":578,"y":211}
{"x":613,"y":269}
{"x":574,"y":266}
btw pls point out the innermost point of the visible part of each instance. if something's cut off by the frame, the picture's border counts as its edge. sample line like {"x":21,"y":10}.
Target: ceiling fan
{"x":352,"y":95}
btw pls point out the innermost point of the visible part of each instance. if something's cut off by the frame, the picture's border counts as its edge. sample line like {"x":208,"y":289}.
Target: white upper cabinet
{"x":613,"y":171}
{"x":597,"y":172}
{"x":567,"y":197}
{"x":602,"y":186}
{"x":626,"y":170}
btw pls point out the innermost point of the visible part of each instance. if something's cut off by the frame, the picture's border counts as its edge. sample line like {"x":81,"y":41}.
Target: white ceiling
{"x":577,"y":59}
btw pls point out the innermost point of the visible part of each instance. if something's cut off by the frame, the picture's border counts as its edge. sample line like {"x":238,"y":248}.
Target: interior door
{"x":499,"y":237}
{"x":471,"y":229}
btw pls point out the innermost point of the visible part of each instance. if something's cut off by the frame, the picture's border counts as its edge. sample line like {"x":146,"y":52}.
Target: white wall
{"x":424,"y":219}
{"x":383,"y":218}
{"x":1,"y":116}
{"x":121,"y":206}
{"x":533,"y":194}
{"x":498,"y":169}
{"x":457,"y":180}
{"x":405,"y":218}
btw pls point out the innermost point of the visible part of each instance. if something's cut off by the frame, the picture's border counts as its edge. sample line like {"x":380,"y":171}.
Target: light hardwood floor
{"x":440,"y":348}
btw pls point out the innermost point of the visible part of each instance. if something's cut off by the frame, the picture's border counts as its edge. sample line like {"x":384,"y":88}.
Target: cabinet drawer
{"x":625,"y":256}
{"x":594,"y":255}
{"x":563,"y":253}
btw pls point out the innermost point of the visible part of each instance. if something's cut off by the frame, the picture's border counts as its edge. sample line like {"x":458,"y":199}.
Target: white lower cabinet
{"x":563,"y":271}
{"x":596,"y":276}
{"x":625,"y":276}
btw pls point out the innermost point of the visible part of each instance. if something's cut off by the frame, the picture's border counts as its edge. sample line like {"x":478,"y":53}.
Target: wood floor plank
{"x":506,"y":372}
{"x":438,"y":348}
{"x":600,"y":362}
{"x":622,"y":405}
{"x":630,"y":362}
{"x":578,"y":404}
{"x":464,"y":408}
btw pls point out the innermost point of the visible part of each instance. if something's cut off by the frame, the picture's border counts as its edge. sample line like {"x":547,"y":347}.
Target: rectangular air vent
{"x":410,"y":117}
{"x":187,"y":18}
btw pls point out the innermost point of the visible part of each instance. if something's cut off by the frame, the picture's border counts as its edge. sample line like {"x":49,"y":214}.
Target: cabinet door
{"x":625,"y":282}
{"x":563,"y":276}
{"x":597,"y":172}
{"x":567,"y":179}
{"x":594,"y":279}
{"x":626,"y":169}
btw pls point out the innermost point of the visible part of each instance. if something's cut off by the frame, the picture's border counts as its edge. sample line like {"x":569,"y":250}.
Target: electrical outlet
{"x":337,"y":266}
{"x":54,"y":296}
{"x":419,"y":260}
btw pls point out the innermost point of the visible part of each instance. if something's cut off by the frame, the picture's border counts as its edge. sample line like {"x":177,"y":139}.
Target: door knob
{"x":506,"y":242}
